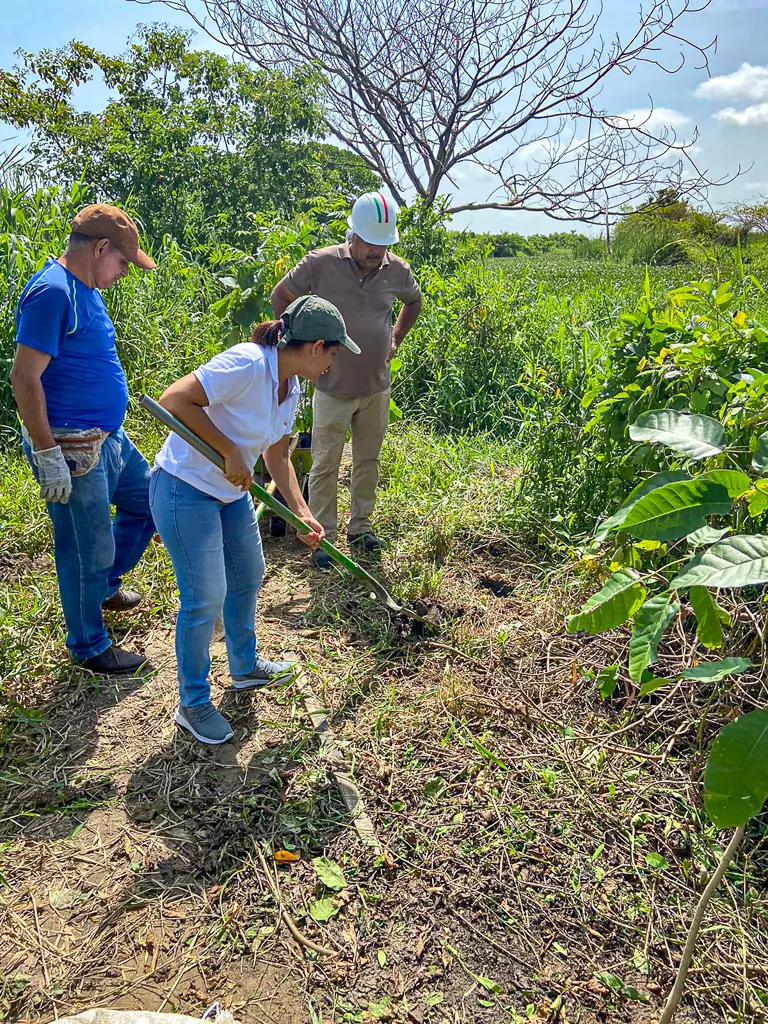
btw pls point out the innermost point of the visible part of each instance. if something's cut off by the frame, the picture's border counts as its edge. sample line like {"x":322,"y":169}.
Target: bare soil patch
{"x":538,"y":866}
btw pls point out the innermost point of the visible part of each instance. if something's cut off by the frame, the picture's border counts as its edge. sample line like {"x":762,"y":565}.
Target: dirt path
{"x":521,"y":887}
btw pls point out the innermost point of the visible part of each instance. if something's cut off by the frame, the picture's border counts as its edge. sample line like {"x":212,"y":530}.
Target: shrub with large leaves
{"x":702,"y":350}
{"x":667,"y":514}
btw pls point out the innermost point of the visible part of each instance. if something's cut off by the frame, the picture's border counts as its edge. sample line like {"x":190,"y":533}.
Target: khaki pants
{"x":332,"y":417}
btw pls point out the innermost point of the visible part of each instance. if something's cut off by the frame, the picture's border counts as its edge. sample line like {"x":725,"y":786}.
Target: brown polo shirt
{"x":366,"y":305}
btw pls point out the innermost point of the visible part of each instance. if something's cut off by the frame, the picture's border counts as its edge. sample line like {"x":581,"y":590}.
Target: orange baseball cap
{"x":103,"y":221}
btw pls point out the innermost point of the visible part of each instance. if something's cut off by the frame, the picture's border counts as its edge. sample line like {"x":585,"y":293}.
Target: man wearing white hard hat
{"x":363,"y":279}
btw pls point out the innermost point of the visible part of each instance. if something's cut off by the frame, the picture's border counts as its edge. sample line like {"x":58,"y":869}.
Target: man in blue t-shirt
{"x":72,"y":396}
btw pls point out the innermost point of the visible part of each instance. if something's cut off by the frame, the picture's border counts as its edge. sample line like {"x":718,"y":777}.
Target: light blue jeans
{"x":92,"y":550}
{"x":215,"y":548}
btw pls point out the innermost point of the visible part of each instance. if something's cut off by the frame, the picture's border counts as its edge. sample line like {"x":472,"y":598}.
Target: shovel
{"x":376,"y":589}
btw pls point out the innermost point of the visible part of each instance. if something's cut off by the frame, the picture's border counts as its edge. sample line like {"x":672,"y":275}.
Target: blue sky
{"x":730,"y":109}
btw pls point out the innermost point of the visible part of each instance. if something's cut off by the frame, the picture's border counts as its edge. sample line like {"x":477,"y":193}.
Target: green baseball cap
{"x":311,"y":318}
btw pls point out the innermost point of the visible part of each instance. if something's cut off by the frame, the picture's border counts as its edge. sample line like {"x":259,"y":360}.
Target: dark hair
{"x":267,"y":334}
{"x":77,"y":240}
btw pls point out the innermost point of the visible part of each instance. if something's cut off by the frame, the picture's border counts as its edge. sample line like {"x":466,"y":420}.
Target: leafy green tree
{"x":194,"y":143}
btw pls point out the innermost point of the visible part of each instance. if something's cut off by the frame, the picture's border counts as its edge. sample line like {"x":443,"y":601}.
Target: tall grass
{"x":163,"y":319}
{"x":500,"y":337}
{"x":504,"y":349}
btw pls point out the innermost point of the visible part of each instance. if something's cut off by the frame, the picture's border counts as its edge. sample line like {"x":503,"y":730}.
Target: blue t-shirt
{"x":84,"y":383}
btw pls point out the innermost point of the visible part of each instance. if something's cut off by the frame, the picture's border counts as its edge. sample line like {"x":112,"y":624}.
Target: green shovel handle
{"x":201,"y":446}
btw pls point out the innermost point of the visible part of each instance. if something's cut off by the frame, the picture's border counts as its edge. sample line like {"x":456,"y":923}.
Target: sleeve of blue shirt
{"x":44,"y":319}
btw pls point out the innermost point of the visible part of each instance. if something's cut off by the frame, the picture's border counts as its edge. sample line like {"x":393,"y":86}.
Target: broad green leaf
{"x":708,"y":627}
{"x":696,"y":436}
{"x":647,"y":545}
{"x":223,"y":306}
{"x":736,"y":776}
{"x":734,"y":562}
{"x":606,"y":681}
{"x":760,"y":456}
{"x":733,"y":480}
{"x":630,"y":992}
{"x":433,"y":998}
{"x":614,"y":982}
{"x":634,"y":496}
{"x":758,"y":503}
{"x":650,"y":682}
{"x":676,"y":509}
{"x":434,"y":788}
{"x":723,"y":615}
{"x":616,"y":602}
{"x":329,"y":873}
{"x":707,"y":535}
{"x":714,"y":671}
{"x":323,"y":910}
{"x":650,"y":622}
{"x":655,"y":860}
{"x":488,"y":984}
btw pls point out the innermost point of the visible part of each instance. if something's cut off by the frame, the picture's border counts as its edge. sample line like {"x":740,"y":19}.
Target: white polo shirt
{"x":242,"y":388}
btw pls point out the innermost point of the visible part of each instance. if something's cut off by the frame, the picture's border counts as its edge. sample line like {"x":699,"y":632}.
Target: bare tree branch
{"x":515,"y":87}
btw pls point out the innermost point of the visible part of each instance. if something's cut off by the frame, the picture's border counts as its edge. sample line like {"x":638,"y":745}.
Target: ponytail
{"x":267,"y":334}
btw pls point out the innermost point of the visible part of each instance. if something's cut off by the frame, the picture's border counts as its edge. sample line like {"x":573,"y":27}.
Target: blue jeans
{"x":92,"y":550}
{"x":215,"y":548}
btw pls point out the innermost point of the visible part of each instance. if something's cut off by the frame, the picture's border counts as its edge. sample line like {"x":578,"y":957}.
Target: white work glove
{"x":53,"y":474}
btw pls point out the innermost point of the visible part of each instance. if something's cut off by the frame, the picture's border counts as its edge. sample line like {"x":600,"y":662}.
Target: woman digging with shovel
{"x":243,"y":403}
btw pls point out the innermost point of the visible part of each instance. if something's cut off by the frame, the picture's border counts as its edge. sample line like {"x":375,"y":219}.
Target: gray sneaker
{"x":265,"y":672}
{"x":205,"y":723}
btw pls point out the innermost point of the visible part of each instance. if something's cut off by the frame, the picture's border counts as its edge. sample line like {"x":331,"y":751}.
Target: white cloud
{"x":547,"y":151}
{"x":746,"y":118}
{"x":469,"y":174}
{"x":539,"y":149}
{"x":654,"y":120}
{"x":750,"y":82}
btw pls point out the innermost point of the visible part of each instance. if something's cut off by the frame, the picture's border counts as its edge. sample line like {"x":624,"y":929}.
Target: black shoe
{"x":114,"y":662}
{"x":320,"y":560}
{"x":123,"y":601}
{"x":369,"y":541}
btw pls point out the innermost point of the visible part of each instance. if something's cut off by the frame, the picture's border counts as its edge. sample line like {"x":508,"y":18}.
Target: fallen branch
{"x":285,"y":916}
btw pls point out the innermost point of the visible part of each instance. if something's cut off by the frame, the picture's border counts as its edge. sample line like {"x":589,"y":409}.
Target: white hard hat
{"x":374,"y":219}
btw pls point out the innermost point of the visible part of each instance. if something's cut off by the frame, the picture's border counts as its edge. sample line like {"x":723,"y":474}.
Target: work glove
{"x":53,"y":474}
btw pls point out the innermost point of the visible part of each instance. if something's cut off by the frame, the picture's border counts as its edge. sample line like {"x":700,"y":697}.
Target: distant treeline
{"x":665,"y":231}
{"x":510,"y":243}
